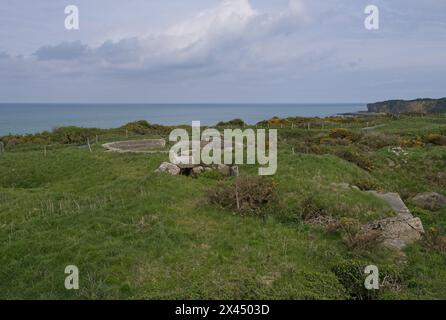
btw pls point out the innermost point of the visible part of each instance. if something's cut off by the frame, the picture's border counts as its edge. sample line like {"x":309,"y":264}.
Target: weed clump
{"x":436,"y":139}
{"x":434,"y":241}
{"x":143,"y":127}
{"x":356,"y":158}
{"x":352,"y":277}
{"x":246,"y":196}
{"x":357,"y":239}
{"x":342,"y":133}
{"x":379,"y":140}
{"x":232,"y":123}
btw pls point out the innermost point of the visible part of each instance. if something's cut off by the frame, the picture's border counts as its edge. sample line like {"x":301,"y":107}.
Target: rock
{"x":394,"y":200}
{"x":224,"y":169}
{"x":234,"y":171}
{"x":169,"y":168}
{"x":197,"y":170}
{"x":207,"y":169}
{"x":429,"y":200}
{"x":397,"y":232}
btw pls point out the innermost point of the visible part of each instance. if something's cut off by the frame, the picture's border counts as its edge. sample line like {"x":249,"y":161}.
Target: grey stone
{"x":197,"y":170}
{"x":169,"y":168}
{"x":394,"y":200}
{"x":224,"y":169}
{"x":397,"y":232}
{"x":429,"y":200}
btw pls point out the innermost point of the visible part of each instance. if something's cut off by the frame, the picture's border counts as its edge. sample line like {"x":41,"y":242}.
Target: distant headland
{"x":408,"y":106}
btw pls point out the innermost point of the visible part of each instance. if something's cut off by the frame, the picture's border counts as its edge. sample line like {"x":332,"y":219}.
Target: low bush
{"x":309,"y":209}
{"x":232,"y":123}
{"x":342,"y":133}
{"x":434,"y":241}
{"x":410,"y":142}
{"x":436,"y":139}
{"x":143,"y":127}
{"x":247,"y":195}
{"x":356,"y":158}
{"x":379,"y":140}
{"x":74,"y":135}
{"x":352,"y":277}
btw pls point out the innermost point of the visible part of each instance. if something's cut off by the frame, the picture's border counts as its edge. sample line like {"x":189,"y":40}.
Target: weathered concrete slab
{"x":141,"y":146}
{"x":397,"y":232}
{"x":395,"y":201}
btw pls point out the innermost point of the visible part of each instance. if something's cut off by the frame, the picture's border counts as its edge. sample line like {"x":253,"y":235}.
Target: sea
{"x":26,"y":118}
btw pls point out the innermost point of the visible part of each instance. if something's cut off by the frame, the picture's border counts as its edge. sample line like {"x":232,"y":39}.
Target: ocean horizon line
{"x":183,"y":103}
{"x":24,"y":118}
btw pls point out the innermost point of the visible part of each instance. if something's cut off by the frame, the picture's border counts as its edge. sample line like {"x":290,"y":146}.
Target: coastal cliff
{"x":411,"y":106}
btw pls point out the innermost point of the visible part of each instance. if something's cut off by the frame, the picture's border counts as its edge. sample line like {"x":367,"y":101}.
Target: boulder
{"x":224,"y":169}
{"x":429,"y":200}
{"x":169,"y":168}
{"x":197,"y":170}
{"x":397,"y":232}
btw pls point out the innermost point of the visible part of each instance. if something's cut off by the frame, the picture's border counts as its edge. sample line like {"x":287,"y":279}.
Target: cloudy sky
{"x":221,"y":51}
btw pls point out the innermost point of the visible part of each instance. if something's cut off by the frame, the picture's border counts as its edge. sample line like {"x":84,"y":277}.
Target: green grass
{"x":137,"y":234}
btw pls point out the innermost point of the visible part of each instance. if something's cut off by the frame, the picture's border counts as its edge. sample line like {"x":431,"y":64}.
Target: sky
{"x":221,"y":51}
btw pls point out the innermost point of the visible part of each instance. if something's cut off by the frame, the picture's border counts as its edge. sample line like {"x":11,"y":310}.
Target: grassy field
{"x":137,"y":234}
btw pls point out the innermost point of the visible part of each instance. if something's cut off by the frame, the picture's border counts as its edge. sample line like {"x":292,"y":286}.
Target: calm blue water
{"x":31,"y":118}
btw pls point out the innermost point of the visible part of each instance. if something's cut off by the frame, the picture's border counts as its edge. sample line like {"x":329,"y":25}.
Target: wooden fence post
{"x":2,"y":148}
{"x":89,"y":146}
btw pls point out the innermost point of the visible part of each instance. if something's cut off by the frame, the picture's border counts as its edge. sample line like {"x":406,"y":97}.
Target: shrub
{"x":355,"y":158}
{"x":74,"y":135}
{"x":436,"y":139}
{"x":309,"y":209}
{"x":278,"y":121}
{"x":139,"y":127}
{"x":362,"y":242}
{"x":213,"y":175}
{"x":247,"y":195}
{"x":232,"y":123}
{"x":379,"y":140}
{"x":351,"y":275}
{"x":412,"y":142}
{"x":355,"y":237}
{"x":433,"y":240}
{"x":342,"y":133}
{"x":143,"y":127}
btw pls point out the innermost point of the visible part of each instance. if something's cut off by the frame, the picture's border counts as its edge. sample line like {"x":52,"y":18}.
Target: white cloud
{"x":305,"y":44}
